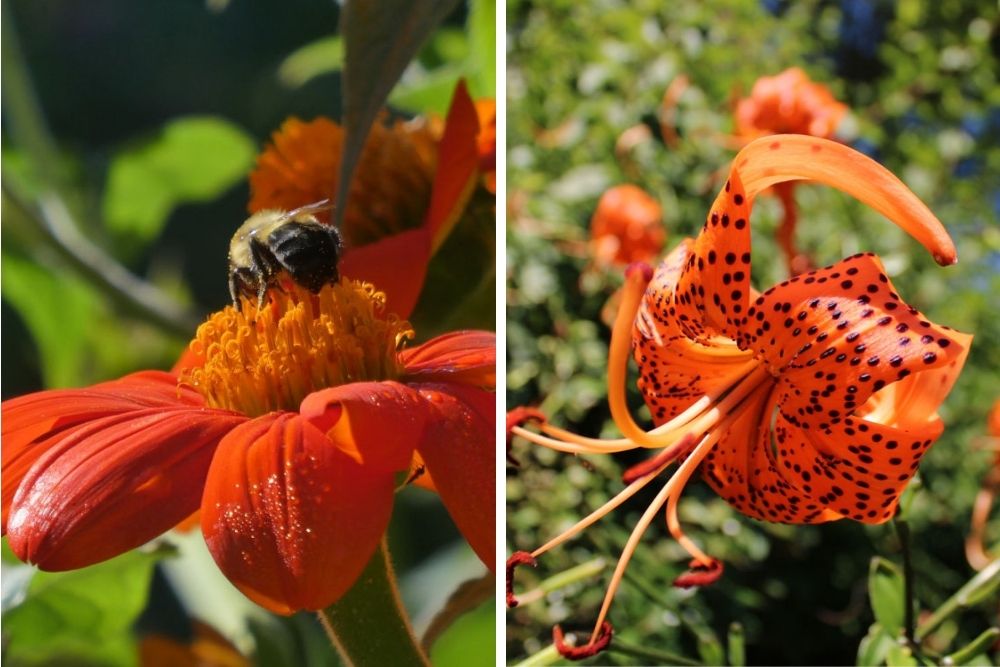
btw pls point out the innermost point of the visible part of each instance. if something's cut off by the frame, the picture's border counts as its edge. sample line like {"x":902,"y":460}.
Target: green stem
{"x":909,"y":623}
{"x":646,"y":653}
{"x":369,"y":625}
{"x":980,"y":587}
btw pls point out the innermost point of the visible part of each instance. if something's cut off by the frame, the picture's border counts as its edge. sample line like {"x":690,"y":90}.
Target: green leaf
{"x":482,"y":29}
{"x":83,"y":616}
{"x":710,"y":648}
{"x":191,"y":159}
{"x":899,"y":655}
{"x":470,"y":640}
{"x":874,"y":646}
{"x":885,"y":589}
{"x":56,"y":309}
{"x":736,"y":645}
{"x":976,"y":648}
{"x":312,"y":60}
{"x":380,"y":39}
{"x":430,"y":93}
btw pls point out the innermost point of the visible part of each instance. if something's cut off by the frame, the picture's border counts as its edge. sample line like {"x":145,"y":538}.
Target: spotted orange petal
{"x":459,"y":453}
{"x":34,"y":423}
{"x":290,"y":518}
{"x":114,"y":483}
{"x":468,"y":357}
{"x":837,"y":335}
{"x":696,"y":368}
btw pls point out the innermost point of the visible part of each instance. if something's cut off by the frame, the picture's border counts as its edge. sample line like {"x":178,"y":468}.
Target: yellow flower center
{"x":260,"y":361}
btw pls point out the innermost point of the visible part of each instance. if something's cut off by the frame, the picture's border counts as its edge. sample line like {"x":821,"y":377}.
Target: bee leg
{"x":233,"y":292}
{"x":266,"y":267}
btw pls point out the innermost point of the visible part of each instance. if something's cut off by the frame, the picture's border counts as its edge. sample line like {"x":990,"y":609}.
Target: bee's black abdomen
{"x":309,"y":252}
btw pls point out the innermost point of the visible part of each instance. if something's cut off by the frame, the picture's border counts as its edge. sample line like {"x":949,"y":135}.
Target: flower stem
{"x":909,"y":625}
{"x":369,"y":625}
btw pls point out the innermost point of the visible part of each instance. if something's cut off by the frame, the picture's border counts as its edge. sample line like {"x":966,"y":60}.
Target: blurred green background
{"x":132,"y":127}
{"x":921,"y":81}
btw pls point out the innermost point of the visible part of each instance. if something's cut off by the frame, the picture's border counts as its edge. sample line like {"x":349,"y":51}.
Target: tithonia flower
{"x":409,"y":189}
{"x":291,"y":436}
{"x":627,"y":227}
{"x":788,"y":103}
{"x":810,"y":402}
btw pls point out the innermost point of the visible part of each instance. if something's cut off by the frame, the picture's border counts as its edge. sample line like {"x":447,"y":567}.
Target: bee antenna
{"x":315,"y":207}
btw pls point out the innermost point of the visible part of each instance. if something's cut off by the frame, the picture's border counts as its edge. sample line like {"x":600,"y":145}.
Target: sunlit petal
{"x":113,"y":484}
{"x":468,"y":357}
{"x":291,"y":519}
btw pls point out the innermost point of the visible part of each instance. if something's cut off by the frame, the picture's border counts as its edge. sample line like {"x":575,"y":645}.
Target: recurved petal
{"x":714,"y":284}
{"x":789,"y":157}
{"x":113,"y":483}
{"x":396,"y":265}
{"x":837,"y":335}
{"x":659,"y":343}
{"x":460,"y":455}
{"x":291,"y":519}
{"x":468,"y":357}
{"x":33,"y":423}
{"x":378,"y":424}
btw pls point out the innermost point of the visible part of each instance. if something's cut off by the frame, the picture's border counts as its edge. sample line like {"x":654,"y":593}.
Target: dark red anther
{"x":646,"y":271}
{"x":516,"y":558}
{"x":665,"y":456}
{"x":700,"y":574}
{"x":517,"y":417}
{"x":589,"y":649}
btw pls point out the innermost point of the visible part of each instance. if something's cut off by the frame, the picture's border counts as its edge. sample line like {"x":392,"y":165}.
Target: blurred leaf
{"x":56,"y":309}
{"x":899,"y":655}
{"x":81,"y":617}
{"x":315,"y":59}
{"x":710,"y":648}
{"x":466,"y":597}
{"x":380,"y":39}
{"x":471,"y":639}
{"x":885,"y":590}
{"x":191,"y":159}
{"x":736,"y":645}
{"x":875,"y":646}
{"x":429,"y":93}
{"x":483,"y":48}
{"x":983,"y":586}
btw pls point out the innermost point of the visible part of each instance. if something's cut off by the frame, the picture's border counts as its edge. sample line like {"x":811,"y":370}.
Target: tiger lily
{"x":810,"y":402}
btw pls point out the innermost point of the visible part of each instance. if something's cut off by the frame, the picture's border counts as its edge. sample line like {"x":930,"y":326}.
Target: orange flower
{"x":789,"y":103}
{"x":975,"y":542}
{"x":627,"y":227}
{"x":811,"y":402}
{"x":486,"y":142}
{"x":408,"y":190}
{"x":290,"y":432}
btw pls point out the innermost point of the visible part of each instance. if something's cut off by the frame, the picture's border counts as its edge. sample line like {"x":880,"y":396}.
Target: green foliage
{"x":81,"y":617}
{"x":193,"y":159}
{"x":585,"y":85}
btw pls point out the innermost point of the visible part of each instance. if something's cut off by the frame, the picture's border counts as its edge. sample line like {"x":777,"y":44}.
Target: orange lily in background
{"x":810,"y":402}
{"x":626,"y":227}
{"x":975,"y":548}
{"x":788,"y":103}
{"x":291,"y":432}
{"x":409,"y":190}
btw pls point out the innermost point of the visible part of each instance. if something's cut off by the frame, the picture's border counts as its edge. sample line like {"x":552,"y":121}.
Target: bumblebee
{"x":272,"y":244}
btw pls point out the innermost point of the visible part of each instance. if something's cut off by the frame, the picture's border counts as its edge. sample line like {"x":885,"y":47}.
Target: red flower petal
{"x":114,"y":483}
{"x":460,"y":456}
{"x":458,"y":165}
{"x":699,"y":574}
{"x":469,"y":357}
{"x":396,"y":265}
{"x":375,"y":423}
{"x":290,"y":519}
{"x":35,"y":422}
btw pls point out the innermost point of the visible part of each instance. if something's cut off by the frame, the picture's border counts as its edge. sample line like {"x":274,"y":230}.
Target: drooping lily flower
{"x":810,"y":402}
{"x":627,"y":227}
{"x":409,"y":189}
{"x":788,"y":103}
{"x":290,"y":427}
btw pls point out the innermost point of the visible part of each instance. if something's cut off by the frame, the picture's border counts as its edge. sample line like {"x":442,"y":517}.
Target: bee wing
{"x":310,"y":209}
